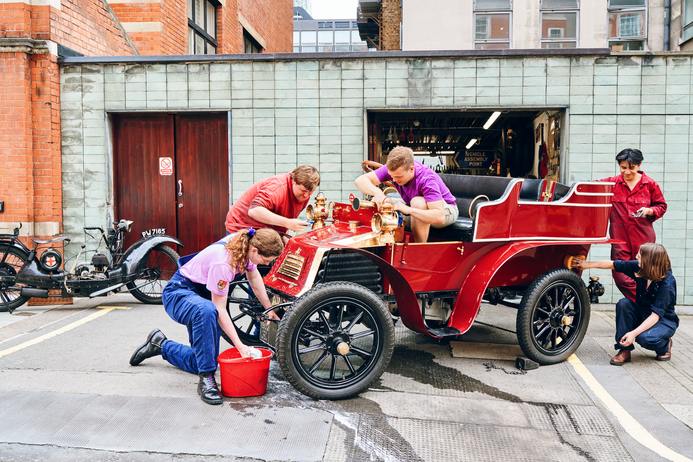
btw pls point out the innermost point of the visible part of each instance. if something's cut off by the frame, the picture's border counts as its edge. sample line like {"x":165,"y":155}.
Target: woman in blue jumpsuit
{"x":650,"y":320}
{"x":196,"y":297}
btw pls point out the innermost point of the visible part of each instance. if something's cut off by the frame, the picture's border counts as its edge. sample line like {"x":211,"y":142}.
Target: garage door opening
{"x":521,"y":143}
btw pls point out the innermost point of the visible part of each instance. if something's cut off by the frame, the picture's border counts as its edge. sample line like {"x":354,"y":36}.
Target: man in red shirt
{"x":275,"y":202}
{"x":637,"y":202}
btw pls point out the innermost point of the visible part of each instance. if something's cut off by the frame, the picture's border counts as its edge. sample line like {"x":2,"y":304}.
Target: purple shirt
{"x":426,"y":183}
{"x":212,"y":268}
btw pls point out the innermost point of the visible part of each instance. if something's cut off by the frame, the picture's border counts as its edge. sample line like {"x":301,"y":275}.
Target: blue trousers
{"x":185,"y":306}
{"x":656,"y":338}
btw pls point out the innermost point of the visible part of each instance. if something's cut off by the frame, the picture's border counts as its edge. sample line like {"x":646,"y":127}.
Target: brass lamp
{"x":386,"y":223}
{"x":318,"y":213}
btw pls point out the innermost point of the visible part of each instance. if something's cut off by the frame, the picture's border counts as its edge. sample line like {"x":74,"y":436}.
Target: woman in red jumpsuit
{"x":637,"y":202}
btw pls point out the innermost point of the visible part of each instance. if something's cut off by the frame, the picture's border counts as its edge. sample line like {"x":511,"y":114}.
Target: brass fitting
{"x":318,"y":213}
{"x":385,"y":223}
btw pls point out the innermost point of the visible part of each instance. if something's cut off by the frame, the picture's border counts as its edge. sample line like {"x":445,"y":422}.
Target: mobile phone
{"x":636,"y":215}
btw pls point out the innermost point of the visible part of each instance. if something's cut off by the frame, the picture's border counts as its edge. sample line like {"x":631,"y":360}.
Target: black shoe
{"x":152,"y":347}
{"x":207,"y":388}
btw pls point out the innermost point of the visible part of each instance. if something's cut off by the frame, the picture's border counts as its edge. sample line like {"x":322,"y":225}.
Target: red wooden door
{"x":198,"y":147}
{"x":202,"y":176}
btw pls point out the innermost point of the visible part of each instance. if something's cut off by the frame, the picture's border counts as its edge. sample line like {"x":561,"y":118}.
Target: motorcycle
{"x":144,"y":268}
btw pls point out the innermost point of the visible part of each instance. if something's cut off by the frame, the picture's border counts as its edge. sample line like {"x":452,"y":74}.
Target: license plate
{"x":153,"y":232}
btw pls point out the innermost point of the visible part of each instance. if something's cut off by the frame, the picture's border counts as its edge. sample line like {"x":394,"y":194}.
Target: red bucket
{"x":241,"y":377}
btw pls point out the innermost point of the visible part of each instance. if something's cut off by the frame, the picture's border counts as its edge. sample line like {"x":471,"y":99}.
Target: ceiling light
{"x":472,"y":142}
{"x":491,"y":119}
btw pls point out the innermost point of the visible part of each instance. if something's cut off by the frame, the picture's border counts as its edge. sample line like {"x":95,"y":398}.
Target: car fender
{"x":133,"y":259}
{"x":407,"y":303}
{"x":482,"y":273}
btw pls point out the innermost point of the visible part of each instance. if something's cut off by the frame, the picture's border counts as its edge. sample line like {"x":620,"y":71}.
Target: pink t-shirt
{"x":211,"y":267}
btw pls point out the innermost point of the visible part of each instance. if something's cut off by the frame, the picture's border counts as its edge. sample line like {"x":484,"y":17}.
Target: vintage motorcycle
{"x":144,"y":268}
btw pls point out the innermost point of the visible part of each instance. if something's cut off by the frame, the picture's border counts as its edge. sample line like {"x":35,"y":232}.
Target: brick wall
{"x":273,"y":19}
{"x":390,"y":20}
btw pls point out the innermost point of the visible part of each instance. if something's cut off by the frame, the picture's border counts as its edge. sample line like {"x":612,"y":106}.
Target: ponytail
{"x":267,"y":242}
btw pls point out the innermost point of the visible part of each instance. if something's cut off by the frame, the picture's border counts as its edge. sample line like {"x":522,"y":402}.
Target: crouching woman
{"x":650,"y":320}
{"x":196,"y":297}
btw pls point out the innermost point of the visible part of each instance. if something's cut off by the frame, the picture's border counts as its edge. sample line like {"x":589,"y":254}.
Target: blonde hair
{"x":400,"y":156}
{"x":654,"y":262}
{"x":267,"y":242}
{"x":307,"y":176}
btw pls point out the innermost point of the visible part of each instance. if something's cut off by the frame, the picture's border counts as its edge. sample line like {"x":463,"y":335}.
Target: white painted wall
{"x":437,"y":25}
{"x":526,"y":24}
{"x":593,"y":23}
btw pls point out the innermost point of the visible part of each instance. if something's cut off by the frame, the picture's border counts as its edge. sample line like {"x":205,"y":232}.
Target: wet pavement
{"x":68,"y":393}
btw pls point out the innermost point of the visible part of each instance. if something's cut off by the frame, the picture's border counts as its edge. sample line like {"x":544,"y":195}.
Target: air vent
{"x":291,"y":266}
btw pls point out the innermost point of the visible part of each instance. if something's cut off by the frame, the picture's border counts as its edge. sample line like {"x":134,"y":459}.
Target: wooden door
{"x":202,"y":168}
{"x":198,"y":147}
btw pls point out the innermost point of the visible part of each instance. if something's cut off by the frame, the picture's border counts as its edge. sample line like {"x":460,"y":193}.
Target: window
{"x":249,"y":43}
{"x":325,"y":40}
{"x":356,"y":43}
{"x":492,"y":20}
{"x":308,"y":41}
{"x":202,"y":27}
{"x":342,"y":25}
{"x":627,"y":28}
{"x":687,"y":19}
{"x":559,"y":23}
{"x":325,"y":25}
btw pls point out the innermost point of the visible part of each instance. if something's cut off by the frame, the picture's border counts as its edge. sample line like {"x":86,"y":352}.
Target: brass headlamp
{"x":318,"y":213}
{"x":386,"y":223}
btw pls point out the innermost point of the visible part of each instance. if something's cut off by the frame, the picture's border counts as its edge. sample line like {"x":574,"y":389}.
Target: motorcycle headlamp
{"x":125,"y":225}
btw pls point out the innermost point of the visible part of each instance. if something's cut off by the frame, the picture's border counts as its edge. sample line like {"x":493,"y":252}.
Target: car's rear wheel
{"x":335,"y":341}
{"x":553,"y":316}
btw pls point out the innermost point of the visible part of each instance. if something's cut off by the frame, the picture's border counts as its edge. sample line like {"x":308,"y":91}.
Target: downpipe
{"x":667,"y":23}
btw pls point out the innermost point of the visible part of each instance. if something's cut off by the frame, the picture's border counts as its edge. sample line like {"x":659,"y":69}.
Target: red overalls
{"x":634,"y":231}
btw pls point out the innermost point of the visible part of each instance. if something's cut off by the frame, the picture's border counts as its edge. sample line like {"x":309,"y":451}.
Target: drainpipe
{"x":667,"y":23}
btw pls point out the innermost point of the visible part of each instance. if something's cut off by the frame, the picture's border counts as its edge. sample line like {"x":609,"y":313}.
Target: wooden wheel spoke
{"x":353,"y":322}
{"x":332,"y":367}
{"x":365,"y":333}
{"x":360,"y":352}
{"x":349,"y":365}
{"x":324,"y":320}
{"x":319,"y":346}
{"x":314,"y":334}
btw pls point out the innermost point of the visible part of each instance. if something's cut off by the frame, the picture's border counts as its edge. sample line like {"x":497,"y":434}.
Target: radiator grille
{"x":291,"y":266}
{"x":351,"y":267}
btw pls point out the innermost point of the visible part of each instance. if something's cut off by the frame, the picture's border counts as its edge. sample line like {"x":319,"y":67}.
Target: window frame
{"x":631,"y":38}
{"x":485,"y":11}
{"x":687,"y":23}
{"x":552,"y":10}
{"x":202,"y":31}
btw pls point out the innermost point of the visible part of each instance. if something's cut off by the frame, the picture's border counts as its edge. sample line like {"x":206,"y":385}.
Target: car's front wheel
{"x":553,"y":316}
{"x":335,"y":341}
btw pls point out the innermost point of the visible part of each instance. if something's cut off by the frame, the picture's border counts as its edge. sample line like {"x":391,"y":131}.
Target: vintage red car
{"x":342,"y":283}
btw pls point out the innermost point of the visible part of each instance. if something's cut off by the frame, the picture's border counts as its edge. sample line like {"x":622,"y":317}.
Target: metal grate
{"x":292,"y":266}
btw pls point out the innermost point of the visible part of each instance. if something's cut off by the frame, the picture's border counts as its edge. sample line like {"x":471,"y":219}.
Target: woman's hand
{"x":243,"y":349}
{"x":628,"y":339}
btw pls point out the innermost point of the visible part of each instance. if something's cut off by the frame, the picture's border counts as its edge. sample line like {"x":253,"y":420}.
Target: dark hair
{"x":632,"y":156}
{"x":654,"y":262}
{"x":267,"y":242}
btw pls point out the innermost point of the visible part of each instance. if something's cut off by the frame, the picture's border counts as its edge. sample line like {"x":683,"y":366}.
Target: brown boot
{"x":622,"y":357}
{"x":666,"y":356}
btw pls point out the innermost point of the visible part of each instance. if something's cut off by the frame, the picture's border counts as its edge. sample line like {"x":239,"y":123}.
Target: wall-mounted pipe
{"x":667,"y":23}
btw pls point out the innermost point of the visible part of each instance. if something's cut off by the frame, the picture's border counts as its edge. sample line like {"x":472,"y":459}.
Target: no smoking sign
{"x":165,"y":166}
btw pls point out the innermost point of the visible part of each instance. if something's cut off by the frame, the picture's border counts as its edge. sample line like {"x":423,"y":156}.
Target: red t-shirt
{"x":274,"y":194}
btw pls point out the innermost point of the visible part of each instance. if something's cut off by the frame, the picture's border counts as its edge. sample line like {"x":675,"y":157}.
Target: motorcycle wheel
{"x":161,"y":265}
{"x":11,"y":261}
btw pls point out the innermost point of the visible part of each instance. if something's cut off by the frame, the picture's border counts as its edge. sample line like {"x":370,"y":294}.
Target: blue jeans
{"x":185,"y":306}
{"x":629,"y":317}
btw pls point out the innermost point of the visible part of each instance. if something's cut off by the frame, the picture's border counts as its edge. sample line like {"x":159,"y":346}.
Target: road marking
{"x":102,"y":311}
{"x":627,"y":421}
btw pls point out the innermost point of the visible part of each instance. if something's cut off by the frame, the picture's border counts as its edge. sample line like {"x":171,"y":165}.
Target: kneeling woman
{"x":650,"y":320}
{"x":196,"y":297}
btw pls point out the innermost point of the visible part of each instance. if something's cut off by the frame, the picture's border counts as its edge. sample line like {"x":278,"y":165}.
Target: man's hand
{"x":578,"y":263}
{"x":380,"y":199}
{"x":628,"y":339}
{"x":402,"y":207}
{"x":273,"y":315}
{"x":294,"y":224}
{"x":644,"y":212}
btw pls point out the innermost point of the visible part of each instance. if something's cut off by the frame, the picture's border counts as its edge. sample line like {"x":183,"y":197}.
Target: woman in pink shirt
{"x":196,"y":297}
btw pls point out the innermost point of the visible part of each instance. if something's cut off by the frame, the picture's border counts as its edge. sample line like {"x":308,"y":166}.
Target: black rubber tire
{"x":244,"y":324}
{"x":162,"y":264}
{"x":317,"y":323}
{"x":553,"y":297}
{"x":11,"y":261}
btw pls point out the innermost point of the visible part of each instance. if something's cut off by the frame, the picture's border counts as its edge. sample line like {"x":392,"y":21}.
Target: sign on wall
{"x":474,"y":159}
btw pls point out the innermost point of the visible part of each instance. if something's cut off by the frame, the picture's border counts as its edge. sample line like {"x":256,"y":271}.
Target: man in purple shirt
{"x":424,"y":195}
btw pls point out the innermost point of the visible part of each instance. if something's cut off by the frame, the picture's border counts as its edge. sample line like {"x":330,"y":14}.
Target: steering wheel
{"x":371,"y":166}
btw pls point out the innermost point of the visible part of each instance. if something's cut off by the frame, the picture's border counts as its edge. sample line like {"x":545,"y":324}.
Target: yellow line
{"x":102,"y":311}
{"x":627,"y":421}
